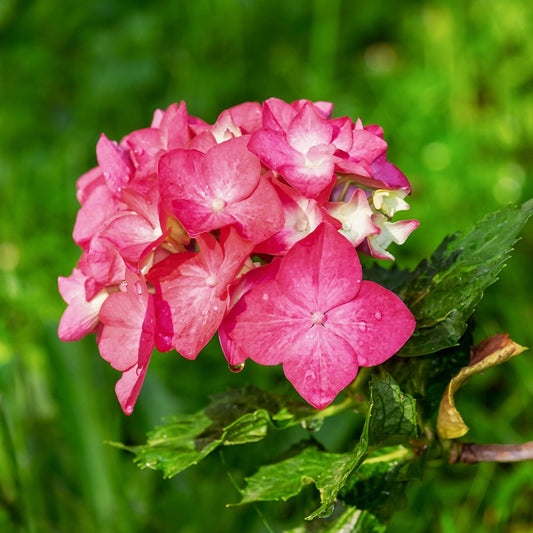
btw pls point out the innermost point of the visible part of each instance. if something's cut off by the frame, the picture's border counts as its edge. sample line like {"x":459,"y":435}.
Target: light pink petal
{"x":81,"y":316}
{"x":321,"y":271}
{"x":376,"y":323}
{"x":115,"y":163}
{"x":355,"y":216}
{"x":231,"y":170}
{"x":308,"y":129}
{"x":129,"y":386}
{"x":224,"y":128}
{"x":319,"y":365}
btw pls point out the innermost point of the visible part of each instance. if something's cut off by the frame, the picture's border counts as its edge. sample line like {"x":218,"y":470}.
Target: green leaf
{"x":391,"y":414}
{"x":444,"y":290}
{"x":236,"y":417}
{"x":283,"y":480}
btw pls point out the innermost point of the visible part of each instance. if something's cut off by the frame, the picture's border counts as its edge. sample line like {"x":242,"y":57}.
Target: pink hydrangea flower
{"x":319,"y":319}
{"x":249,"y":227}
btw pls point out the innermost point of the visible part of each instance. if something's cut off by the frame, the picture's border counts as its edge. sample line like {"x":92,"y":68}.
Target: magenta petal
{"x":321,"y":271}
{"x":319,"y":365}
{"x":376,"y":323}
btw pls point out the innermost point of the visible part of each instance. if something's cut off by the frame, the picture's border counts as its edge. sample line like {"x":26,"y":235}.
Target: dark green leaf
{"x":236,"y":417}
{"x":391,"y":413}
{"x":444,"y":290}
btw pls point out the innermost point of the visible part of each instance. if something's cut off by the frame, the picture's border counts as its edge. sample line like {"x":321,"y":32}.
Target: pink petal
{"x":308,"y":129}
{"x":129,"y":386}
{"x":127,"y":335}
{"x":174,"y":127}
{"x":265,"y":324}
{"x":115,"y":163}
{"x":321,"y":271}
{"x":260,"y":215}
{"x":181,"y":178}
{"x":319,"y":365}
{"x":81,"y":316}
{"x":247,"y":116}
{"x":231,"y":170}
{"x":376,"y":323}
{"x":273,"y":149}
{"x":277,"y":115}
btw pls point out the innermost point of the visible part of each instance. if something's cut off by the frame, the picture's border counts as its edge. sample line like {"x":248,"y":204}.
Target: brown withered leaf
{"x":488,"y":353}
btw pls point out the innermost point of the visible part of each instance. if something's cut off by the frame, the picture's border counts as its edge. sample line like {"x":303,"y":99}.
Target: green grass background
{"x":451,"y":82}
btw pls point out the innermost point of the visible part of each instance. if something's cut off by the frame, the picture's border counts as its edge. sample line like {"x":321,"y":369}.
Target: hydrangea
{"x":249,"y":227}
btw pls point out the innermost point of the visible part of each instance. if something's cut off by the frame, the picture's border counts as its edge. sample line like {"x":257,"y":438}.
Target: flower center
{"x":218,"y":204}
{"x":318,"y":318}
{"x":211,"y":281}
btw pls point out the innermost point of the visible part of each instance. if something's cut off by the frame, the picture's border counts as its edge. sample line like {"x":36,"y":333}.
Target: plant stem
{"x":500,"y":453}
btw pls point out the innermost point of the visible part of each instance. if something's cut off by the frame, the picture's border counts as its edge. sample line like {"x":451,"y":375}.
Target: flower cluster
{"x":249,"y":227}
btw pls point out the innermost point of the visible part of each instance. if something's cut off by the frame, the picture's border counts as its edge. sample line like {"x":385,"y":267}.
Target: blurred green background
{"x":450,"y":81}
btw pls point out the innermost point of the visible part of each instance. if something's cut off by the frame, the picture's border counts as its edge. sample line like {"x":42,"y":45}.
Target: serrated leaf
{"x":236,"y":417}
{"x":391,"y":413}
{"x":488,"y":353}
{"x":283,"y":480}
{"x":443,"y":291}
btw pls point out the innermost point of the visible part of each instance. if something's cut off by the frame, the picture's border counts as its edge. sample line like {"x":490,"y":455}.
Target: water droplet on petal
{"x":138,"y":287}
{"x":377,"y":316}
{"x":139,"y":370}
{"x":362,"y":326}
{"x":129,"y":409}
{"x":236,"y":368}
